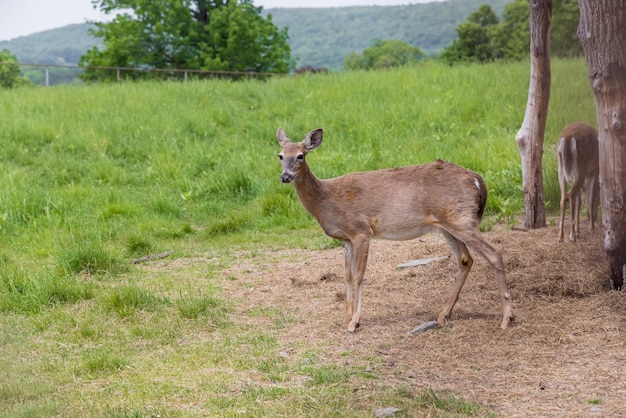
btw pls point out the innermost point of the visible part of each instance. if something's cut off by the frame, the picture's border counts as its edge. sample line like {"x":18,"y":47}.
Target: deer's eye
{"x":300,"y":157}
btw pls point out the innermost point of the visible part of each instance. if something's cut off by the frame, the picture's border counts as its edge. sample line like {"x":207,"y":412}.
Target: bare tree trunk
{"x":530,"y":136}
{"x":603,"y":37}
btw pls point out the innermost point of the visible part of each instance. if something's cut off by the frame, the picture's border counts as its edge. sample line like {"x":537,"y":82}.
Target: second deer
{"x":395,"y":204}
{"x":577,"y":157}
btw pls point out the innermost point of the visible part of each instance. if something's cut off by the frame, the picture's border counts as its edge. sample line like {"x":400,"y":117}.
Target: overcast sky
{"x":23,"y":17}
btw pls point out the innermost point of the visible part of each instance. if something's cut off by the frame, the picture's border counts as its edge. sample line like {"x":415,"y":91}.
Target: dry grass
{"x":563,"y":355}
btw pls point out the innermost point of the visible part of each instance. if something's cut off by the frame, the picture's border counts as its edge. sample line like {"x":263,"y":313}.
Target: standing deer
{"x":395,"y":204}
{"x":577,"y":157}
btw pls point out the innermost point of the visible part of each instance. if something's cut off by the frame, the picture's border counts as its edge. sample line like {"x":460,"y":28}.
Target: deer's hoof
{"x":443,"y":319}
{"x":506,"y":321}
{"x":353,"y":327}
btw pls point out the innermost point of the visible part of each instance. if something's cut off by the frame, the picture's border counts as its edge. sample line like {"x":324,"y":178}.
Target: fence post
{"x":118,"y":74}
{"x":47,"y":77}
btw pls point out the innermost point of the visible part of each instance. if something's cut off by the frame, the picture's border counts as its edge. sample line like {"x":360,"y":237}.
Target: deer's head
{"x":293,"y":154}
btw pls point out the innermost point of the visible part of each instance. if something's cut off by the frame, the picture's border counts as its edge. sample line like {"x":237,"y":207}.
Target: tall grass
{"x":95,"y":176}
{"x":169,"y":160}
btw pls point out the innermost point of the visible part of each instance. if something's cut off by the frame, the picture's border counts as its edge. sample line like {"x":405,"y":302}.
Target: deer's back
{"x":397,"y":202}
{"x":578,"y":150}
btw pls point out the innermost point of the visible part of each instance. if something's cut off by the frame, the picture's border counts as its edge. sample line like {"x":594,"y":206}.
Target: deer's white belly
{"x":403,"y":233}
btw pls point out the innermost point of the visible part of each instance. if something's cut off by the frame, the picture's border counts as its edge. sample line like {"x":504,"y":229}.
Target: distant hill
{"x":323,"y":37}
{"x":319,"y":37}
{"x":64,"y":45}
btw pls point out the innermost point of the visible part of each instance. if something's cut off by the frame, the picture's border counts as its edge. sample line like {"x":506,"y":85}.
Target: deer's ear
{"x":282,"y":136}
{"x":313,"y":139}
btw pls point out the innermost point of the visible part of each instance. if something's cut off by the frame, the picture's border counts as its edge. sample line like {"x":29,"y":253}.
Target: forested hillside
{"x":56,"y":46}
{"x":324,"y":37}
{"x":320,"y":37}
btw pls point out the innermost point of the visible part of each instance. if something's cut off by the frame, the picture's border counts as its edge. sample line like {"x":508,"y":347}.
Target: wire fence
{"x":51,"y":74}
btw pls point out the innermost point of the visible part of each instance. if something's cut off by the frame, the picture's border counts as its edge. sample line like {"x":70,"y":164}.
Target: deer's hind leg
{"x":574,"y":200}
{"x":464,"y":262}
{"x":592,"y":200}
{"x":475,"y":241}
{"x":563,"y":202}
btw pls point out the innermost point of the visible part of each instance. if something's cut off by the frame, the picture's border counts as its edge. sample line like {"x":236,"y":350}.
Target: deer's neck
{"x":311,"y":191}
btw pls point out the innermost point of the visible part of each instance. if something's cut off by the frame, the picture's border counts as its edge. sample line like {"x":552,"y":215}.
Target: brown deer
{"x":395,"y":204}
{"x":577,"y":157}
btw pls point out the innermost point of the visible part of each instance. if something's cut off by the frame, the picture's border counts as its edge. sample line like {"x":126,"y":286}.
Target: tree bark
{"x":530,"y":136}
{"x":602,"y":34}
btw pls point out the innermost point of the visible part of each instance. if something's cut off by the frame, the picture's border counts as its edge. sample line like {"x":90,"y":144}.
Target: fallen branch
{"x":151,"y":257}
{"x":420,"y":262}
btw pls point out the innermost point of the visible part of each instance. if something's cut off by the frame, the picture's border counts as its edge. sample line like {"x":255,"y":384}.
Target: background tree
{"x":564,"y":23}
{"x":514,"y":30}
{"x":603,"y":38}
{"x":530,"y":136}
{"x":187,"y":34}
{"x":475,"y":40}
{"x":482,"y":38}
{"x":384,"y":54}
{"x":10,"y":71}
{"x":242,"y":40}
{"x":564,"y":41}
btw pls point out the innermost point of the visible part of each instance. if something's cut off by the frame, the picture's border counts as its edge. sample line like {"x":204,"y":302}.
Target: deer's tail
{"x":567,"y":152}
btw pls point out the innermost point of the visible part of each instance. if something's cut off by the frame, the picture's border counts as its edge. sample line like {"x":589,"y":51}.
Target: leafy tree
{"x":384,"y":54}
{"x":484,"y":17}
{"x":476,"y":38}
{"x":563,"y":29}
{"x":515,"y":30}
{"x":564,"y":37}
{"x":10,"y":71}
{"x":187,"y":34}
{"x":242,"y":40}
{"x":482,"y":38}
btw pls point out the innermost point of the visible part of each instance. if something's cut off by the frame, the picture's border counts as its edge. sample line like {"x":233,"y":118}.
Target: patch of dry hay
{"x":565,"y":349}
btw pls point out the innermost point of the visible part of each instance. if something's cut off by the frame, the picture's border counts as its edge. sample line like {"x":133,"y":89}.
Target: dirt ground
{"x":563,"y":356}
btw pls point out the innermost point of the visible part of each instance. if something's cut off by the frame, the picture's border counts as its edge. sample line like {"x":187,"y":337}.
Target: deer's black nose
{"x":286,"y":178}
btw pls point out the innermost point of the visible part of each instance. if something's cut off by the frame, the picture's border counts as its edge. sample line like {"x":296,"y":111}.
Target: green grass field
{"x":96,"y":176}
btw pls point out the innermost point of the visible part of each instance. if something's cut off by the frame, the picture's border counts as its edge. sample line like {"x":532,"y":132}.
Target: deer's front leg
{"x":349,"y":287}
{"x":360,"y":249}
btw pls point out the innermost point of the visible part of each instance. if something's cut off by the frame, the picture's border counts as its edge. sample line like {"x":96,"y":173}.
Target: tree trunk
{"x":602,"y":34}
{"x":530,"y":136}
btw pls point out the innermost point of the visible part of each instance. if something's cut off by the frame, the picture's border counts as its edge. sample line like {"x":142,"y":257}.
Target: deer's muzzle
{"x":286,"y":178}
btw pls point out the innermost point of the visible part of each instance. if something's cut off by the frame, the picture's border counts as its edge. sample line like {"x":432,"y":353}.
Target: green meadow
{"x":94,"y":177}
